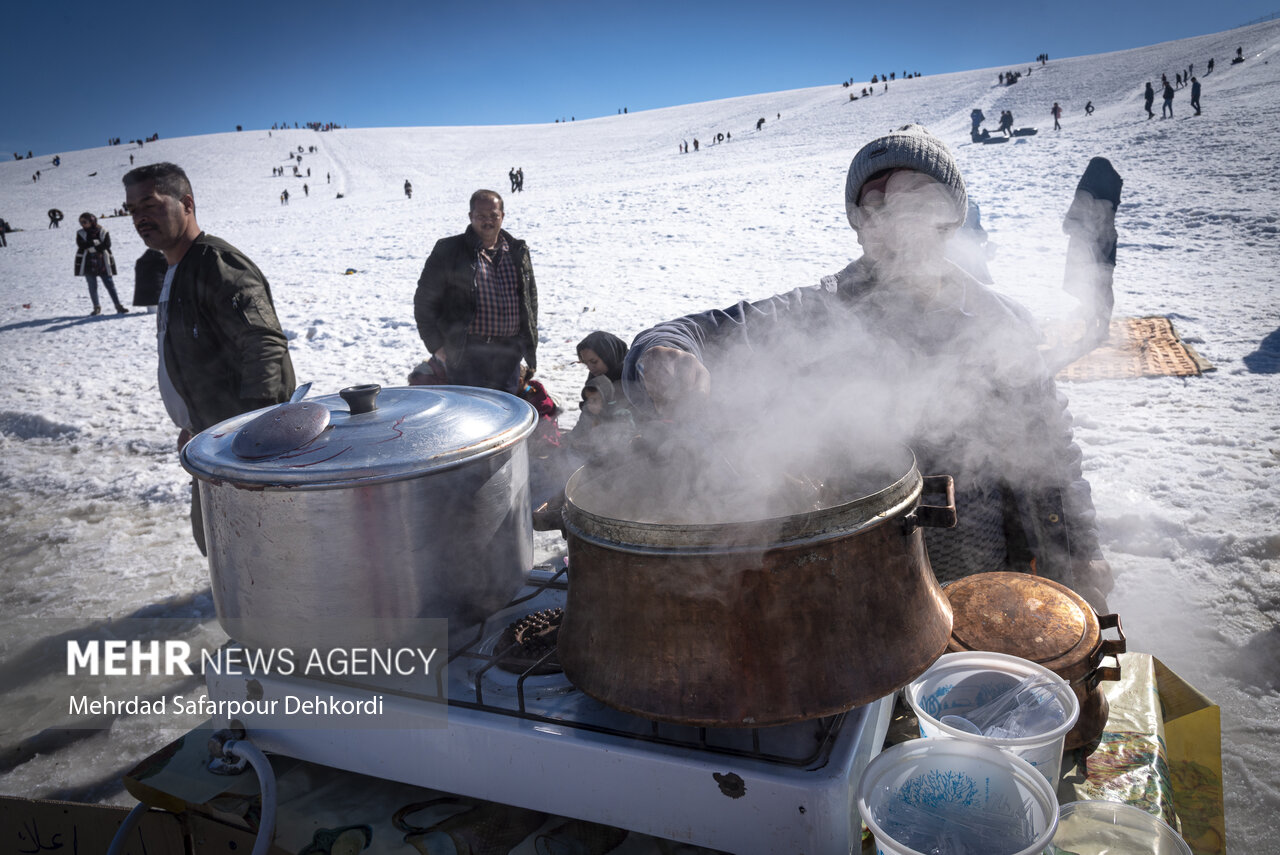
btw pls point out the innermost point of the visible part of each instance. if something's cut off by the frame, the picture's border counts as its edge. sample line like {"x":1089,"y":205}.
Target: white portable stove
{"x":532,"y":740}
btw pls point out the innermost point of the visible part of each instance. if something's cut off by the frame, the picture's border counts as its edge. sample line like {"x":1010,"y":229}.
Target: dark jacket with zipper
{"x":223,"y":347}
{"x":445,"y":301}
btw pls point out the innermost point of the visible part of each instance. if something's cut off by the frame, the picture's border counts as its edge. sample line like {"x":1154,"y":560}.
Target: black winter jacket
{"x":99,"y":240}
{"x":223,"y":347}
{"x":445,"y":301}
{"x":957,"y":377}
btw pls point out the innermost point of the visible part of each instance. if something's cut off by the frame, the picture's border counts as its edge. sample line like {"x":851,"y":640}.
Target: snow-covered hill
{"x":626,"y":231}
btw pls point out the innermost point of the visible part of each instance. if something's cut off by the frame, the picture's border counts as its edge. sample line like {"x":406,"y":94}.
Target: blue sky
{"x":77,"y":73}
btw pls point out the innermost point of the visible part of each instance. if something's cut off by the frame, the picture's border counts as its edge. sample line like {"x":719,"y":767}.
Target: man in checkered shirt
{"x":477,"y":303}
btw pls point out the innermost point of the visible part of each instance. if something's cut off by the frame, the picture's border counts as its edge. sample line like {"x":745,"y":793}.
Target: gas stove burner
{"x":530,"y":639}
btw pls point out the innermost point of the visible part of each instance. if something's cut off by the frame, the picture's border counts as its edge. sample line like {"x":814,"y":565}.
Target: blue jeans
{"x":93,"y":288}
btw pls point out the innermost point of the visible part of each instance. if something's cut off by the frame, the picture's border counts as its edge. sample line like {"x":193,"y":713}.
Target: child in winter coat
{"x":605,"y":430}
{"x":547,"y":434}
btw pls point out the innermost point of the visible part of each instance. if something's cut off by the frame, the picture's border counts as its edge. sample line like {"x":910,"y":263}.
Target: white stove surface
{"x":537,"y":742}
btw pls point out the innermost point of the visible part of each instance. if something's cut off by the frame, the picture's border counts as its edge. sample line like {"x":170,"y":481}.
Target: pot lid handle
{"x":361,"y":399}
{"x":280,"y":429}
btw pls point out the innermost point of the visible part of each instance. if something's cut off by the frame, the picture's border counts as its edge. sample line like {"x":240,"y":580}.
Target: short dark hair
{"x":169,"y":179}
{"x":486,"y":194}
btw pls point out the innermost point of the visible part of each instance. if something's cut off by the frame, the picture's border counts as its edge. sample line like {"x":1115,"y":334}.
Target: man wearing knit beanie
{"x":910,"y":147}
{"x":902,"y":345}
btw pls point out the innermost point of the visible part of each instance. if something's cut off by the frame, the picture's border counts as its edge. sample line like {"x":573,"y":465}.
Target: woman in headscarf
{"x":94,"y":259}
{"x":603,"y":354}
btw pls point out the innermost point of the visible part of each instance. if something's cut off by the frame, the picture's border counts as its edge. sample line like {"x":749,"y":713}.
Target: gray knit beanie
{"x":909,"y":147}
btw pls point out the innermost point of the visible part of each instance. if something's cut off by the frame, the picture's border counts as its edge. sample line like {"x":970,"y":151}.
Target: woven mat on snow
{"x":1138,"y":347}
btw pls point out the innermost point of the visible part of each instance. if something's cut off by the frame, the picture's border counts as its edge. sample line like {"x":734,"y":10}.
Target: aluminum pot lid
{"x":363,"y":435}
{"x":1027,"y":616}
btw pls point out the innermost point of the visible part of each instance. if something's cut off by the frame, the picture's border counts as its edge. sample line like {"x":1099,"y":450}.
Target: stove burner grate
{"x":805,"y":744}
{"x":528,"y":642}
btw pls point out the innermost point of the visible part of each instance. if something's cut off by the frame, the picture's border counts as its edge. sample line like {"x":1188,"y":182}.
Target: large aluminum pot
{"x":753,"y":623}
{"x":412,"y":503}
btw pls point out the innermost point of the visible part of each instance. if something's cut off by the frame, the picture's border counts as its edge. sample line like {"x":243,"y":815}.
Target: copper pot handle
{"x":934,"y":516}
{"x":1102,"y":672}
{"x":1108,"y":647}
{"x":1111,"y":647}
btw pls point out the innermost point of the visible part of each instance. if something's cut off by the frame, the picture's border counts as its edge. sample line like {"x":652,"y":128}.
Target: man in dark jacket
{"x":477,"y":302}
{"x":899,"y":346}
{"x":222,"y":352}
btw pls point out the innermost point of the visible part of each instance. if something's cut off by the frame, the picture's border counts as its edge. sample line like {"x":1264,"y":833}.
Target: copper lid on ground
{"x":1027,"y":616}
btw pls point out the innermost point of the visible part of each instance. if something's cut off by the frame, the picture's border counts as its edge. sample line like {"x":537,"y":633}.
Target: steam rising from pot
{"x":809,"y":388}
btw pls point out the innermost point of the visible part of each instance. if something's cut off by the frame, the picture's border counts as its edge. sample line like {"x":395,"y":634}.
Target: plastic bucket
{"x":1099,"y":826}
{"x":931,"y":795}
{"x":960,"y":682}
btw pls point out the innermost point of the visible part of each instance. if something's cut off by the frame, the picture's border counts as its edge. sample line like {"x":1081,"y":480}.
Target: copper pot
{"x":1048,"y":623}
{"x":756,"y":623}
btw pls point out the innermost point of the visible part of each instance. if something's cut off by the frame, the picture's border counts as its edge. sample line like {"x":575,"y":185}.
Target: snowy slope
{"x":625,"y":232}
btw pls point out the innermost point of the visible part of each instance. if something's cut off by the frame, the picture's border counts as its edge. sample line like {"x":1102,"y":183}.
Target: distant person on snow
{"x":1167,"y":110}
{"x":1148,"y":98}
{"x":976,"y":118}
{"x":408,"y":189}
{"x":220,"y":346}
{"x":1056,"y":112}
{"x":1195,"y":95}
{"x":1088,"y":108}
{"x":55,"y":219}
{"x":94,"y":259}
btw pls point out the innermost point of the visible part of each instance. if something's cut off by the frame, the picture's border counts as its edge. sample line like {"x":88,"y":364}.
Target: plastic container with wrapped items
{"x":1112,"y":828}
{"x":957,"y":684}
{"x":950,"y":797}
